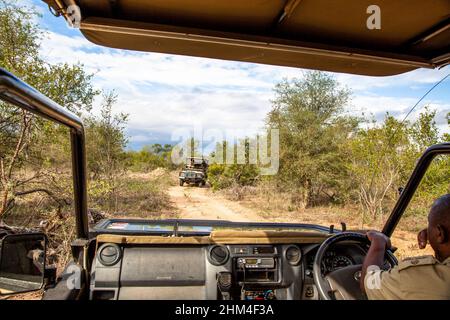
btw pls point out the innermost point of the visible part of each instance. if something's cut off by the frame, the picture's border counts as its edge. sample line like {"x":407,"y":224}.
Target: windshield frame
{"x":411,"y":186}
{"x":24,"y":96}
{"x":102,"y":226}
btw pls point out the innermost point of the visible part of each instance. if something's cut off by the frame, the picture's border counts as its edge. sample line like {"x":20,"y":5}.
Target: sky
{"x":162,"y":92}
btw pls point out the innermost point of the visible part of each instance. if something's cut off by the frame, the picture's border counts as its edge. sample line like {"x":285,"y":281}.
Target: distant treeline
{"x":150,"y":157}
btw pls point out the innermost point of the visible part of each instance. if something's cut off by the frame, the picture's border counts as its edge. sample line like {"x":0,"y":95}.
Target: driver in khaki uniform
{"x":425,"y":277}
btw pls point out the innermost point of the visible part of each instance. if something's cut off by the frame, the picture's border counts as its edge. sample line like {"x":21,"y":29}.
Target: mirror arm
{"x":49,"y":277}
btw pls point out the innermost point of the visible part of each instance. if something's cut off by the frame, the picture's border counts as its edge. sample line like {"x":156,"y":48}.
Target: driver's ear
{"x":442,"y":234}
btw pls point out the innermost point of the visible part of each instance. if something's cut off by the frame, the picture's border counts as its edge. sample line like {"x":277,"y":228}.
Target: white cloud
{"x":167,"y":111}
{"x":412,"y":79}
{"x":32,"y":5}
{"x":120,"y":67}
{"x":378,"y":106}
{"x":372,"y":104}
{"x":165,"y":92}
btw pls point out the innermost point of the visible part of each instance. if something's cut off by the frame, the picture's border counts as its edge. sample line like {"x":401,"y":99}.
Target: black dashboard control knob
{"x":218,"y":255}
{"x":224,"y":281}
{"x":224,"y":284}
{"x":293,"y":255}
{"x":109,"y":254}
{"x":309,"y":292}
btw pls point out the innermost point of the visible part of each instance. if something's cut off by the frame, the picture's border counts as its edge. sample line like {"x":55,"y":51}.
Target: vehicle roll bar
{"x":17,"y":92}
{"x":416,"y":177}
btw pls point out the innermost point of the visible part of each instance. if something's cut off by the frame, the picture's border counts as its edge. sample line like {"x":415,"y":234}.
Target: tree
{"x":223,"y":175}
{"x":106,"y":142}
{"x":446,"y":136}
{"x":25,"y":138}
{"x":150,"y":157}
{"x":424,"y":131}
{"x":436,"y":181}
{"x":309,"y":114}
{"x":379,"y":161}
{"x":383,"y":157}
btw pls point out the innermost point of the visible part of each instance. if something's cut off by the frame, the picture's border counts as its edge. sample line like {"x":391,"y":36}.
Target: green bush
{"x":150,"y":158}
{"x":223,"y":176}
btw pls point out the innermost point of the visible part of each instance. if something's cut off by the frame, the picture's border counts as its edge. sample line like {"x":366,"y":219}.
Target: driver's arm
{"x":376,"y":283}
{"x":407,"y":280}
{"x":379,"y":242}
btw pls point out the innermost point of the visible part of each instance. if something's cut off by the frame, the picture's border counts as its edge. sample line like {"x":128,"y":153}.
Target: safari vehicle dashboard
{"x":188,"y":260}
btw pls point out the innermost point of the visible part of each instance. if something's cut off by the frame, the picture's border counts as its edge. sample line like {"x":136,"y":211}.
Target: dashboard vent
{"x":218,"y":255}
{"x":293,"y":255}
{"x":109,"y":254}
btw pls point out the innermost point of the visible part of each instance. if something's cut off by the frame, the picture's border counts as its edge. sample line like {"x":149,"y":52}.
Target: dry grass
{"x":140,"y":195}
{"x":277,"y":206}
{"x":37,"y":295}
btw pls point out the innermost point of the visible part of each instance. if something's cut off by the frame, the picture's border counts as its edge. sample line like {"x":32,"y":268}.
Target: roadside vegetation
{"x":331,"y":161}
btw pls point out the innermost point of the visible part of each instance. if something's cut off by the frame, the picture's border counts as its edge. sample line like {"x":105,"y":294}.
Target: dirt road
{"x":202,"y":203}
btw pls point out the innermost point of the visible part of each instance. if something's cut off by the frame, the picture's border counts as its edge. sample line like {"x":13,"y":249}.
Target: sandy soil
{"x":152,"y":175}
{"x":202,"y":203}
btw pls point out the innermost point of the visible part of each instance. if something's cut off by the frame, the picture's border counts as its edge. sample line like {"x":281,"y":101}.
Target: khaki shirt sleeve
{"x":413,"y":278}
{"x":383,"y":285}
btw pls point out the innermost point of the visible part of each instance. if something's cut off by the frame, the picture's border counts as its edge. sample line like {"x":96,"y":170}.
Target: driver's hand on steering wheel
{"x":379,"y":239}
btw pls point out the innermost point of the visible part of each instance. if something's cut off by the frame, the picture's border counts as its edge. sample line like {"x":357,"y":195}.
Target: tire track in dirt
{"x":202,"y":203}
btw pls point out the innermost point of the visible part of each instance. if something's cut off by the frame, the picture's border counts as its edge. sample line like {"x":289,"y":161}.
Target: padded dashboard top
{"x":220,"y":237}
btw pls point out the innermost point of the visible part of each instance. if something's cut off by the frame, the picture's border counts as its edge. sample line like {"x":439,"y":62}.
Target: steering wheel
{"x":343,"y":283}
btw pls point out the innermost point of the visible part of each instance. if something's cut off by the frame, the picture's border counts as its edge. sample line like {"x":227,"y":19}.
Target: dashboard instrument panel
{"x":213,"y":271}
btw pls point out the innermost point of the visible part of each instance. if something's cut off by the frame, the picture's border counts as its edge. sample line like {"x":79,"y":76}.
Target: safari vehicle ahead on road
{"x":194,"y":172}
{"x":194,"y":259}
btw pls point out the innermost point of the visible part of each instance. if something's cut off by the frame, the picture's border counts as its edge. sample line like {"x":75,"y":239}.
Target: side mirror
{"x":22,"y":263}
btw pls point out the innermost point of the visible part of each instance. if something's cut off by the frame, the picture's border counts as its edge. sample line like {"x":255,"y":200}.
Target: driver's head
{"x":439,"y":226}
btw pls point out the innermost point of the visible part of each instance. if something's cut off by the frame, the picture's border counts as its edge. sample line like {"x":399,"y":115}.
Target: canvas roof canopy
{"x":316,"y":34}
